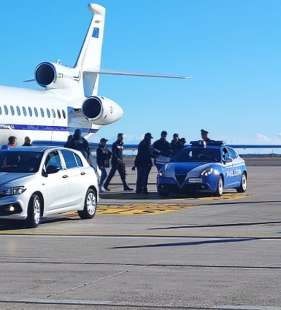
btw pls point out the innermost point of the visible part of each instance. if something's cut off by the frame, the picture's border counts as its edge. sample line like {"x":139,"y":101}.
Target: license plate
{"x":195,"y":180}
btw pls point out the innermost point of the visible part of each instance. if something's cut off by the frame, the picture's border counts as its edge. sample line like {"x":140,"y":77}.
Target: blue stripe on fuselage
{"x":48,"y":128}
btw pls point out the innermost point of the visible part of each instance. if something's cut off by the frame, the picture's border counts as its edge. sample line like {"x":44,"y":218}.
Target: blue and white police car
{"x":200,"y":166}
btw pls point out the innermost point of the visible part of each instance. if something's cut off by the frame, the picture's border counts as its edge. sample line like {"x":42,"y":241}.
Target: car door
{"x":75,"y":177}
{"x":55,"y":184}
{"x":227,"y":167}
{"x":237,"y":171}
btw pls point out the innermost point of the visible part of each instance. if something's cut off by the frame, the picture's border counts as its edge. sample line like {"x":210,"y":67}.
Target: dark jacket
{"x":81,"y":145}
{"x":103,"y":156}
{"x":163,"y":147}
{"x":117,"y":152}
{"x":145,"y":154}
{"x":175,"y":146}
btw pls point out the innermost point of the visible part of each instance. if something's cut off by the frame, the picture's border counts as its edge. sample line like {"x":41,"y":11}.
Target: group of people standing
{"x":158,"y":153}
{"x":12,"y":142}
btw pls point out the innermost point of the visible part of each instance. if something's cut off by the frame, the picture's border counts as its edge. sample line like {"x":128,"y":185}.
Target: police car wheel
{"x":90,"y":205}
{"x":34,"y":211}
{"x":219,"y":191}
{"x":163,"y":192}
{"x":243,"y":185}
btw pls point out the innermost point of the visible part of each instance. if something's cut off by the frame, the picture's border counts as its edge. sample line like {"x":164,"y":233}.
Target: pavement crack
{"x":84,"y":284}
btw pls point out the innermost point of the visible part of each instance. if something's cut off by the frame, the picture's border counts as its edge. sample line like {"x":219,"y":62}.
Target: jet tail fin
{"x":89,"y":60}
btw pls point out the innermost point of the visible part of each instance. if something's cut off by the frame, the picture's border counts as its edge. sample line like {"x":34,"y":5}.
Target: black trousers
{"x":142,"y":178}
{"x":120,"y":167}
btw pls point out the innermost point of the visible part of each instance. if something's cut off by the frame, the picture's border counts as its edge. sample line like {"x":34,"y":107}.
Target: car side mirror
{"x":52,"y":169}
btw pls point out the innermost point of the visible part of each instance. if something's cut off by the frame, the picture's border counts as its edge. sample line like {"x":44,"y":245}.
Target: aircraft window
{"x":12,"y":110}
{"x":18,"y":110}
{"x":48,"y":113}
{"x":30,"y":111}
{"x":24,"y":111}
{"x":42,"y":112}
{"x":35,"y":112}
{"x":6,"y":110}
{"x":0,"y":110}
{"x":59,"y":115}
{"x":63,"y":114}
{"x":54,"y":113}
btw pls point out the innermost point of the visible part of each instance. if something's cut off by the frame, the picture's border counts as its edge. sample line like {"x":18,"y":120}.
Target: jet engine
{"x":101,"y":110}
{"x":53,"y":75}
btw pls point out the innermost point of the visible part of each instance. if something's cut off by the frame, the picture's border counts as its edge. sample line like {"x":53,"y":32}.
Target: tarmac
{"x":142,"y":252}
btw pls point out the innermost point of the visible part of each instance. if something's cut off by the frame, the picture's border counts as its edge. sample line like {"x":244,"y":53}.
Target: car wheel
{"x":163,"y":192}
{"x":34,"y":211}
{"x":243,"y":185}
{"x":90,"y":205}
{"x":219,"y":191}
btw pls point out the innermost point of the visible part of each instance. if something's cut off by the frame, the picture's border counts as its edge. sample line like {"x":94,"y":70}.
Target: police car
{"x":210,"y":167}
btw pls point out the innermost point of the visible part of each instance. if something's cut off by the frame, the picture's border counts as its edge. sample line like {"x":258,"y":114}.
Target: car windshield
{"x":20,"y":162}
{"x":207,"y":155}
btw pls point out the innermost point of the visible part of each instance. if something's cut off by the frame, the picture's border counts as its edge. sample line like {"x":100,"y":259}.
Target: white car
{"x":40,"y":181}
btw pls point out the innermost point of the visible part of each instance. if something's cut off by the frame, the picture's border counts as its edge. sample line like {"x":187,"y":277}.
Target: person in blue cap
{"x":117,"y":163}
{"x":103,"y":157}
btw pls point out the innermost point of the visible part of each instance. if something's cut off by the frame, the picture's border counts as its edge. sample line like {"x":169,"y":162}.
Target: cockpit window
{"x":198,"y":155}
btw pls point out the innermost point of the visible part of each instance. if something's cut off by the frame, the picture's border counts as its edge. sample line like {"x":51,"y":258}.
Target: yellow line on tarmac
{"x":227,"y":196}
{"x":139,"y":209}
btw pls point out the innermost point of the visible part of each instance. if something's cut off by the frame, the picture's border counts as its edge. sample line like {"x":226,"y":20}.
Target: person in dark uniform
{"x":80,"y":144}
{"x":143,"y":163}
{"x":27,"y":142}
{"x":182,"y":142}
{"x":175,"y":143}
{"x":163,"y":148}
{"x":204,"y":135}
{"x":68,"y":141}
{"x":117,"y":163}
{"x":103,"y":157}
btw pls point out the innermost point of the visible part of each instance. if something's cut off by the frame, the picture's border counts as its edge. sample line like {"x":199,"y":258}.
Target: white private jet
{"x":68,"y":98}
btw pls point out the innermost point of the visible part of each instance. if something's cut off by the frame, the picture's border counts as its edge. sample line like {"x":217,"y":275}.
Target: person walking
{"x":80,"y":144}
{"x":117,"y":163}
{"x":103,"y":157}
{"x":163,"y":149}
{"x":27,"y":142}
{"x":143,"y":163}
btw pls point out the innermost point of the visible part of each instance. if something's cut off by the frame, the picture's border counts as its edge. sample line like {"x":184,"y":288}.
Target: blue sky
{"x":231,"y":48}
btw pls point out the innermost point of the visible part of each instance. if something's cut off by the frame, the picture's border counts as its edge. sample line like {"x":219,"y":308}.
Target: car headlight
{"x":166,"y":171}
{"x":207,"y":172}
{"x":11,"y":191}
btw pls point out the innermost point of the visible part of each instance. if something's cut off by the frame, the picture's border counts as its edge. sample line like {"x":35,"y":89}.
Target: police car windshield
{"x":20,"y":162}
{"x":198,"y":154}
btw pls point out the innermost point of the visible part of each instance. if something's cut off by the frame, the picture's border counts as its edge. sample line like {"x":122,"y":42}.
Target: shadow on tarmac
{"x":18,"y":225}
{"x":150,"y":196}
{"x":159,"y":245}
{"x":216,"y":225}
